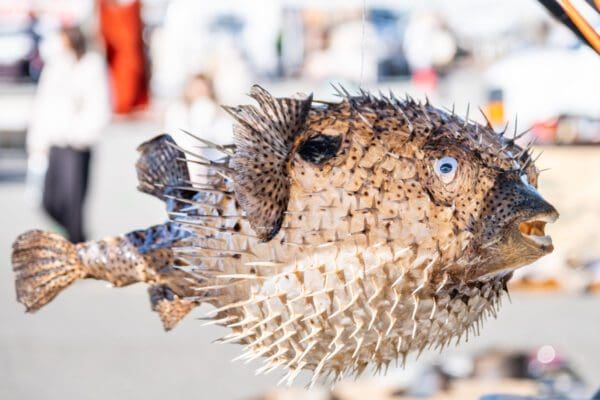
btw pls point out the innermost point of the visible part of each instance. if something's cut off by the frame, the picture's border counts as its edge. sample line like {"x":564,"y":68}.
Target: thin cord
{"x":362,"y":44}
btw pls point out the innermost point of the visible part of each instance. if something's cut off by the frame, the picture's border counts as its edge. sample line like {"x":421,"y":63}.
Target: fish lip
{"x":536,"y":223}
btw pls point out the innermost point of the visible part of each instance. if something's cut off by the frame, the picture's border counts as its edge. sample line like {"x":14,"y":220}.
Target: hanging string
{"x":362,"y":43}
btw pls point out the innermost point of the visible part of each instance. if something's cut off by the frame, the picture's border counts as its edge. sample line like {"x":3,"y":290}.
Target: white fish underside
{"x":348,"y":285}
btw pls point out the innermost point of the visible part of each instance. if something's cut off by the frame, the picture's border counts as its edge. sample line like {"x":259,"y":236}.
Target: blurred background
{"x":103,"y":76}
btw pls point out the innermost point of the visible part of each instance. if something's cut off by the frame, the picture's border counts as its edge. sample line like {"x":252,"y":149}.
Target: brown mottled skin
{"x":45,"y":263}
{"x":115,"y":260}
{"x":337,"y":235}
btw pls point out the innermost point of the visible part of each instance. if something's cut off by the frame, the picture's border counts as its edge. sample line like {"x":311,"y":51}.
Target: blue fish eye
{"x":446,"y":167}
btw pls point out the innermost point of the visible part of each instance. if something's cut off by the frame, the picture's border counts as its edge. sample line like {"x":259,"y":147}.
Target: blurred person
{"x":233,"y":36}
{"x":348,"y":53}
{"x":71,"y":108}
{"x":35,"y":62}
{"x":121,"y":28}
{"x":230,"y":72}
{"x":428,"y":45}
{"x":198,"y":112}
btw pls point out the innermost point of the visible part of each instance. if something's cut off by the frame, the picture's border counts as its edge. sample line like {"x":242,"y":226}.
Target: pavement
{"x":95,"y":342}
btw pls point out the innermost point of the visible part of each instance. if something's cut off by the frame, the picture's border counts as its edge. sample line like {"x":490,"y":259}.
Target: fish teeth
{"x":540,"y":240}
{"x":549,"y":218}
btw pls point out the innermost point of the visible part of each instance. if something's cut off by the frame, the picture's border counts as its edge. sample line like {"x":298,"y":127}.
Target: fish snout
{"x":535,"y":212}
{"x":515,"y":216}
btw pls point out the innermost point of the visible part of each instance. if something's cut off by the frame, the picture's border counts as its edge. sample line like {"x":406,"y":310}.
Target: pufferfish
{"x":328,"y":237}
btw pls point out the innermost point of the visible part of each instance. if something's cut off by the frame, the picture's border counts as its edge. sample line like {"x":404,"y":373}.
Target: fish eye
{"x":446,"y":168}
{"x":320,"y":148}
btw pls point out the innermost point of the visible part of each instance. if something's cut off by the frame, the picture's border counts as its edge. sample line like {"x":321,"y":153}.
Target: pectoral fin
{"x":263,"y":137}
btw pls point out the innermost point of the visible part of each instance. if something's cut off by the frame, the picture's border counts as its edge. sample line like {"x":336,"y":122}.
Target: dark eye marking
{"x":320,"y":148}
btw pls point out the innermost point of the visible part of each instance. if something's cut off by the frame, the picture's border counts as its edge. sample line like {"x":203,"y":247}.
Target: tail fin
{"x":44,"y":264}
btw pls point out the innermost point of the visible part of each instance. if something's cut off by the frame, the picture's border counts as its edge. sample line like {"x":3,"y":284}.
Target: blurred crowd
{"x":154,"y":49}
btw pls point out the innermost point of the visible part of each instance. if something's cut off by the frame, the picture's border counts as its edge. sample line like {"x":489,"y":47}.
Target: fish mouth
{"x":532,"y":230}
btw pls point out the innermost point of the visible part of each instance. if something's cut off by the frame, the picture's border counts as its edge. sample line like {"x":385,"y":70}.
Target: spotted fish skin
{"x":334,"y":236}
{"x":45,"y":264}
{"x":375,"y":255}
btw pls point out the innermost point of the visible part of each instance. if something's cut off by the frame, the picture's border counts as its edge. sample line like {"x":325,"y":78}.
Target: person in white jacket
{"x":198,"y":112}
{"x":71,"y":109}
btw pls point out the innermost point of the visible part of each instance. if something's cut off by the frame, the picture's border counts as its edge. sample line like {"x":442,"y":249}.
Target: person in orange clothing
{"x":121,"y":28}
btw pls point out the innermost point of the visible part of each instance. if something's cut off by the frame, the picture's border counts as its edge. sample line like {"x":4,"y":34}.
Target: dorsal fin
{"x":263,"y":138}
{"x":161,"y":167}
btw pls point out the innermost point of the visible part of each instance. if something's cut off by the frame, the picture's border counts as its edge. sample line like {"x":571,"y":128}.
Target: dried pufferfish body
{"x":367,"y":266}
{"x":329,"y":237}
